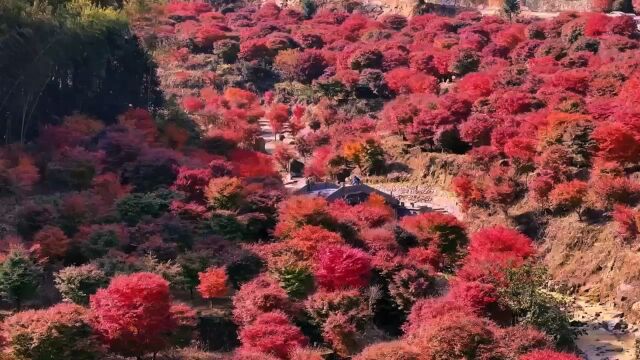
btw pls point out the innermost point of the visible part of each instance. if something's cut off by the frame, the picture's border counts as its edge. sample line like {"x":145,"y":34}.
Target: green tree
{"x":309,"y":8}
{"x":192,"y":263}
{"x":99,"y":242}
{"x":227,"y":226}
{"x":79,"y":52}
{"x":530,"y":304}
{"x":62,"y":331}
{"x":19,"y":277}
{"x":511,"y":8}
{"x":296,"y":281}
{"x":169,"y":270}
{"x":243,"y":268}
{"x":77,"y":283}
{"x":374,"y":161}
{"x":134,"y":207}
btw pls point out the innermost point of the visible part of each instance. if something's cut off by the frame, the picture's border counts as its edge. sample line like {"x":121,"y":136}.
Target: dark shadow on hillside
{"x":50,"y":68}
{"x":398,"y":167}
{"x":530,"y":223}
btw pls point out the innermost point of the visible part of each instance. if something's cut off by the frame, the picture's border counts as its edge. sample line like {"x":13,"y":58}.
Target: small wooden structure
{"x":351,"y":194}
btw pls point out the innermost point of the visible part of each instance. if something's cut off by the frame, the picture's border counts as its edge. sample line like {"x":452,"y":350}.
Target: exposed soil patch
{"x":606,"y":334}
{"x":418,"y":196}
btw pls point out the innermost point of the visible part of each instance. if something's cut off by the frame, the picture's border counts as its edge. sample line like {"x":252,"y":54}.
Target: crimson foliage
{"x":133,"y":314}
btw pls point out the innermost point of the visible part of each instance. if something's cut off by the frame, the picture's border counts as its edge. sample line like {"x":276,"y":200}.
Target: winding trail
{"x":266,"y":133}
{"x":270,"y":142}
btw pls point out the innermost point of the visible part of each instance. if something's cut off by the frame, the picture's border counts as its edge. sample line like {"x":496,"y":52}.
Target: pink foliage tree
{"x":340,"y":267}
{"x":133,"y":315}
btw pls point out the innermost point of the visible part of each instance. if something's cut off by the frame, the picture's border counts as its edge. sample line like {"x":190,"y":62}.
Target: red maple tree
{"x":213,"y":283}
{"x":133,"y":314}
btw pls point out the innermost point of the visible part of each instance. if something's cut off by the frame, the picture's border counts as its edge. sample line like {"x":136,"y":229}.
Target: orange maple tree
{"x":213,"y":283}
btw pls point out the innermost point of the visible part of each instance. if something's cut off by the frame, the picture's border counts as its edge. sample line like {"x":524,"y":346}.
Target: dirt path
{"x":418,"y":196}
{"x":606,"y":334}
{"x":270,"y":142}
{"x":266,"y":133}
{"x":270,"y":138}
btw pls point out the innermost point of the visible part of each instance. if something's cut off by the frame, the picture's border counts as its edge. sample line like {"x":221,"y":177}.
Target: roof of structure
{"x":332,"y":191}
